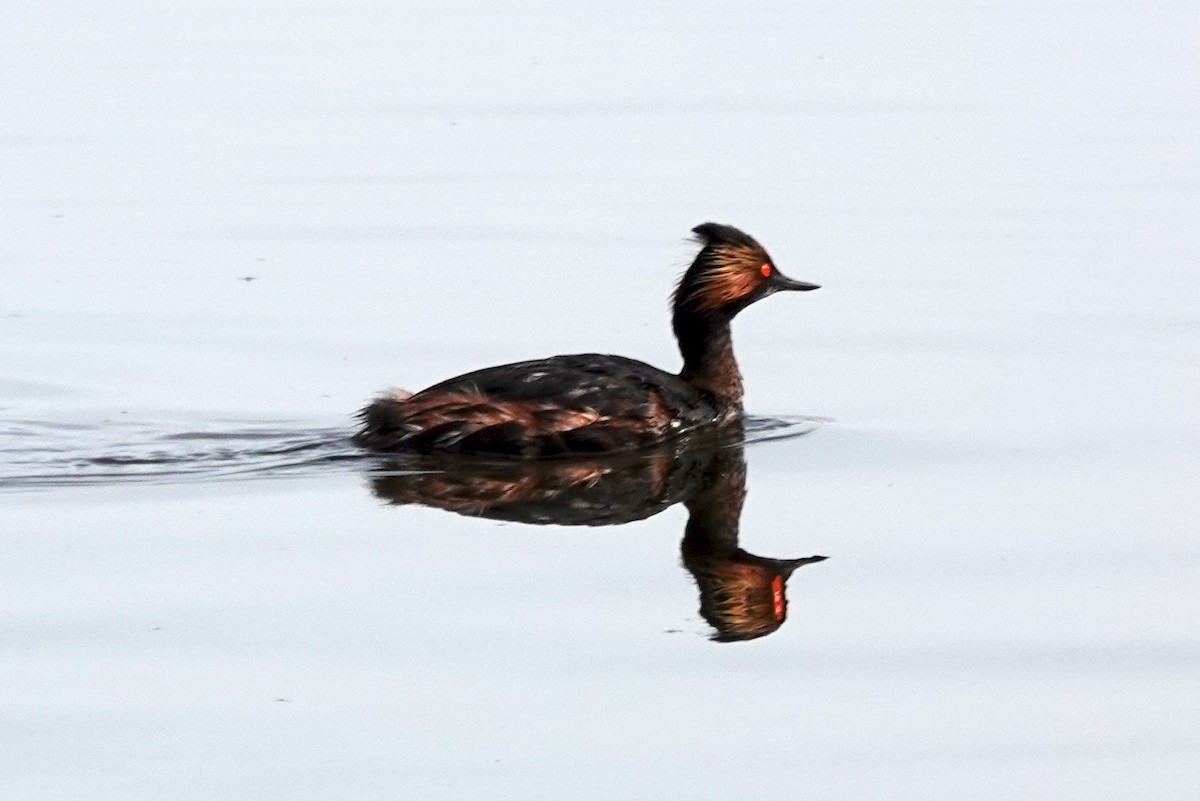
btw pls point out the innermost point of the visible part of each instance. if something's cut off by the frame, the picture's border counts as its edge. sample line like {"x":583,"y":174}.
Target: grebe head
{"x":730,"y":272}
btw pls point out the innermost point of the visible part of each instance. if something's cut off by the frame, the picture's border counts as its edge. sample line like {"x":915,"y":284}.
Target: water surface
{"x":225,"y":228}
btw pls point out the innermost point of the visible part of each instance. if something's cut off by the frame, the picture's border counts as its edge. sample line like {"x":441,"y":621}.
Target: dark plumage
{"x":591,"y":403}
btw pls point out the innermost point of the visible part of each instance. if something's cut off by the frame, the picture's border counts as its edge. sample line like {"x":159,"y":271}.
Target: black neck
{"x":706,"y":343}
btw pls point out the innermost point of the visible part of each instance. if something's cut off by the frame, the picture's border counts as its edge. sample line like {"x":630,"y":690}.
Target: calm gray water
{"x":222,"y":229}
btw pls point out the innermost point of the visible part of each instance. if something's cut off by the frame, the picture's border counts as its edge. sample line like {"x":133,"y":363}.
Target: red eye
{"x":765,"y":270}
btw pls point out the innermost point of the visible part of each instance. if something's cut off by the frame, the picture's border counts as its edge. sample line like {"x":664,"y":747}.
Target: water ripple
{"x":41,"y":454}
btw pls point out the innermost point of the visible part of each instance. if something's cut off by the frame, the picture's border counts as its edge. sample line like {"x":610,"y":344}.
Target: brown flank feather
{"x":479,"y":411}
{"x":467,"y":421}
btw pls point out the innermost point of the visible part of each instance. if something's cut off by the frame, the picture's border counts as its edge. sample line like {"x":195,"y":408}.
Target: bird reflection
{"x":742,"y":595}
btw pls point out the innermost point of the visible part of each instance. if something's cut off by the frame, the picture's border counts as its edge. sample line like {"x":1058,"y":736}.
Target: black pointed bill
{"x":782,"y":283}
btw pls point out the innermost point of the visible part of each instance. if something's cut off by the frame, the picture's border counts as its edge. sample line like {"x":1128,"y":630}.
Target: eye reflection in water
{"x":742,"y":595}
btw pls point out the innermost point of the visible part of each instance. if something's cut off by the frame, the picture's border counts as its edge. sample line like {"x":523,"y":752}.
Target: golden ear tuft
{"x":732,"y":272}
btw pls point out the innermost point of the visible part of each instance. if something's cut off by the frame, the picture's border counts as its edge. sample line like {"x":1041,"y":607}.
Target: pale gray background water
{"x":1002,"y":202}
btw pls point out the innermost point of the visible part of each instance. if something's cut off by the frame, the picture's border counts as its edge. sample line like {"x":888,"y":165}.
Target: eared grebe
{"x":591,"y":403}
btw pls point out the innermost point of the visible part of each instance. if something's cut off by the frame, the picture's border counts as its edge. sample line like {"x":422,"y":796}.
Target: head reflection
{"x":742,"y":596}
